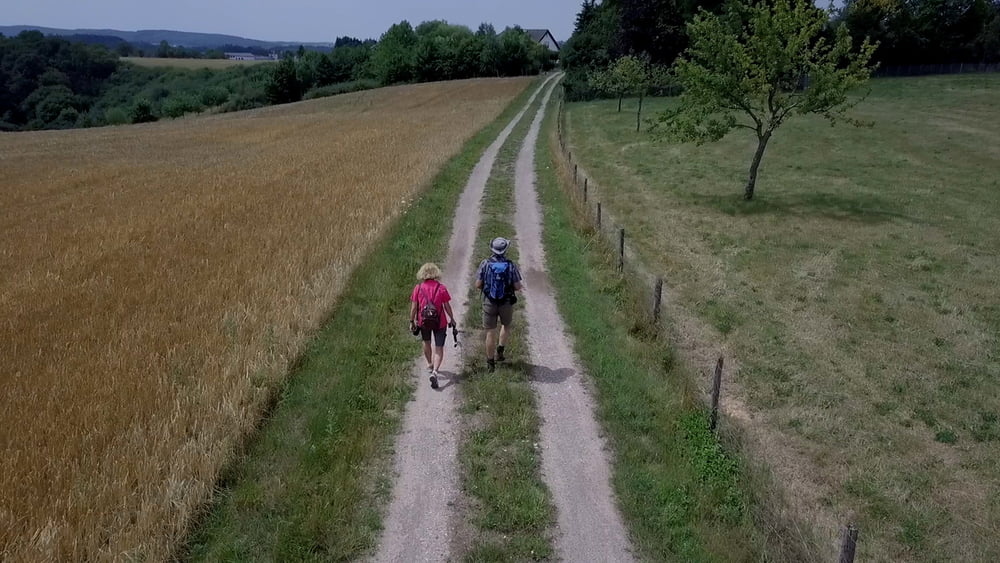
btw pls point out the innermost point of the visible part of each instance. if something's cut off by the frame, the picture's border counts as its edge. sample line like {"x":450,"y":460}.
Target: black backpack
{"x":430,"y":317}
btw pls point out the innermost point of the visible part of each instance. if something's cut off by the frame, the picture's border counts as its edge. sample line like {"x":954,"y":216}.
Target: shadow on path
{"x":542,"y":374}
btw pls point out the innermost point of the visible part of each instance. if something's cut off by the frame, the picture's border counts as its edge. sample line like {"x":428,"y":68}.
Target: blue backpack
{"x":498,"y":274}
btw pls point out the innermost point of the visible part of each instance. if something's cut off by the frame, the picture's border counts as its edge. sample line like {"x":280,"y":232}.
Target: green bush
{"x":142,"y":112}
{"x":178,"y":105}
{"x":116,"y":116}
{"x":67,"y":119}
{"x":342,"y":88}
{"x":244,"y":101}
{"x":214,"y":96}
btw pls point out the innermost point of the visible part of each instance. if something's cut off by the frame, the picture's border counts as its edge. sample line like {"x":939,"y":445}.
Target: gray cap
{"x":499,"y":245}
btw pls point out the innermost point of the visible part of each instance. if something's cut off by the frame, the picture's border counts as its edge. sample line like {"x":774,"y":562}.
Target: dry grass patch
{"x":159,"y":279}
{"x":858,"y":296}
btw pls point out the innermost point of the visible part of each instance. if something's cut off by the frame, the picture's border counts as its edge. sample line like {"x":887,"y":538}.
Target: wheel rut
{"x":575,"y":464}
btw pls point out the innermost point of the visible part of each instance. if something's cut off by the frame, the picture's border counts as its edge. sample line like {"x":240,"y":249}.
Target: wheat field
{"x":159,"y":279}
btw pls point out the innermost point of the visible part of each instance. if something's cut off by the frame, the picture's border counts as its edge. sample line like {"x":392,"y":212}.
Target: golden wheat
{"x":157,"y":281}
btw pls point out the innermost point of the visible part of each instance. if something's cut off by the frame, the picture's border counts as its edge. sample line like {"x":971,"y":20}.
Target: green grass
{"x":313,"y":481}
{"x":857,"y":292}
{"x":500,"y":460}
{"x":683,"y":496}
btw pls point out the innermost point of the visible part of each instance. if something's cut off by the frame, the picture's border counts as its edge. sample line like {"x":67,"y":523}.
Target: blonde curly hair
{"x":429,"y":271}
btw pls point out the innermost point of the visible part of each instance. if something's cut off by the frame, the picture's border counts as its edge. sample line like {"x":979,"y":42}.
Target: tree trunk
{"x":620,"y":96}
{"x":638,"y":115}
{"x":752,"y":181}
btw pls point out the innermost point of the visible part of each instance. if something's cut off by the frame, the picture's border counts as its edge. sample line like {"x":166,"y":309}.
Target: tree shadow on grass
{"x":856,"y":207}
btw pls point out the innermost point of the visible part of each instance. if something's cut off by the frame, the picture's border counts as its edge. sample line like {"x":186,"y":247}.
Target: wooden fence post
{"x":716,"y":389}
{"x":621,"y":250}
{"x":598,"y":216}
{"x":657,"y":298}
{"x":849,"y":543}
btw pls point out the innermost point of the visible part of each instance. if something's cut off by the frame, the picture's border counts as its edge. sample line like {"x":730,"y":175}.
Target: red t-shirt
{"x":439,"y":298}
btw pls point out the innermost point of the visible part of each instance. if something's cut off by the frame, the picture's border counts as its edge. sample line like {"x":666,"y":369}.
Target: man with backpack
{"x":498,"y":279}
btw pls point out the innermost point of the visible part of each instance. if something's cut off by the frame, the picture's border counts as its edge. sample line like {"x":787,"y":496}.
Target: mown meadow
{"x":856,"y":298}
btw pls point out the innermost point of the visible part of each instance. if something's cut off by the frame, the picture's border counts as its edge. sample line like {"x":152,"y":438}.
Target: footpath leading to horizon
{"x":420,"y":519}
{"x":575,"y":464}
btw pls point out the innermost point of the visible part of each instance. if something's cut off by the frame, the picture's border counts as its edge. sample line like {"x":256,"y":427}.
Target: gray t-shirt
{"x":515,"y":275}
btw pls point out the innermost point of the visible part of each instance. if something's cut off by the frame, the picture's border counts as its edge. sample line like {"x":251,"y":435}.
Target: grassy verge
{"x":499,"y":455}
{"x":682,"y":494}
{"x":857,"y":292}
{"x":312,"y":483}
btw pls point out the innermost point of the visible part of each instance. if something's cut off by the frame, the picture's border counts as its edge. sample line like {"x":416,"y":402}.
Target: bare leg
{"x":491,"y":343}
{"x":438,"y":357}
{"x":504,"y":335}
{"x":427,"y":352}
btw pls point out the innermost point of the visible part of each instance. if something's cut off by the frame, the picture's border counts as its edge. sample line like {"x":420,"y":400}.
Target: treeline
{"x":49,"y":82}
{"x":908,"y":32}
{"x":433,"y":50}
{"x":53,"y":83}
{"x":56,"y":84}
{"x":606,"y":31}
{"x":911,"y":32}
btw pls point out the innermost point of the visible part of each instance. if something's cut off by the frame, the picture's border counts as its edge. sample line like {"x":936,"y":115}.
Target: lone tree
{"x":764,"y":62}
{"x":629,"y":75}
{"x":608,"y":82}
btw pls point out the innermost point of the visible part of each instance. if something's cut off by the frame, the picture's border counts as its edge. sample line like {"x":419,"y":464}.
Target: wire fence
{"x":943,"y":68}
{"x":588,"y":193}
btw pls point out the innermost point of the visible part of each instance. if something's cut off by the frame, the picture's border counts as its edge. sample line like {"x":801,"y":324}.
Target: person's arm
{"x":518,"y":286}
{"x":479,"y":284}
{"x":451,"y":316}
{"x":413,"y":311}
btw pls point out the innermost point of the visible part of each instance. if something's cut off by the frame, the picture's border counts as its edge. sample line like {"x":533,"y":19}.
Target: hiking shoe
{"x":491,"y":365}
{"x":434,"y":382}
{"x":500,"y":356}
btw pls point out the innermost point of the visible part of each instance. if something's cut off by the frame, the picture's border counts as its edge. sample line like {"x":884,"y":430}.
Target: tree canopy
{"x":755,"y":67}
{"x":926,"y":31}
{"x":49,"y":81}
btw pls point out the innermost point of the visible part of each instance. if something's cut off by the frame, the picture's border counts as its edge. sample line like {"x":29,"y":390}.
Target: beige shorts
{"x":492,"y":312}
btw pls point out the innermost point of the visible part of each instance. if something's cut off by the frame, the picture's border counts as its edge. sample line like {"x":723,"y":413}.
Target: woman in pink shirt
{"x":430,"y":298}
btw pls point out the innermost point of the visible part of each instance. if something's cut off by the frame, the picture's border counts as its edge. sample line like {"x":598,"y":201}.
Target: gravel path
{"x":575,"y":463}
{"x":420,"y":521}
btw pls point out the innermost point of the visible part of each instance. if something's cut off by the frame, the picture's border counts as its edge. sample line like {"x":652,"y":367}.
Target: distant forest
{"x":908,"y":32}
{"x":57,"y":82}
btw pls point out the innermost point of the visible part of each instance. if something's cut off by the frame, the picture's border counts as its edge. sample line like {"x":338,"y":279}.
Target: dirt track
{"x":420,"y":523}
{"x":575,"y":467}
{"x":574,"y":460}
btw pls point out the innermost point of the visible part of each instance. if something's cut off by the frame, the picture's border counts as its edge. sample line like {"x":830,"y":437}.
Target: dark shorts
{"x":439,"y":336}
{"x":504,"y":312}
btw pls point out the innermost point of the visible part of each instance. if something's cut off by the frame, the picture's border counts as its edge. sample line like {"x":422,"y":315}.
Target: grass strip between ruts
{"x":680,"y":492}
{"x":499,"y":456}
{"x":315,"y":478}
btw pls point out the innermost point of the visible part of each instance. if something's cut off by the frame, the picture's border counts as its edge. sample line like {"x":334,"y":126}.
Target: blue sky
{"x":288,"y":20}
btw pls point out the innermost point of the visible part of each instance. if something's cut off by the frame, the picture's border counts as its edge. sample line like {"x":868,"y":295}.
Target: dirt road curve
{"x":419,"y":524}
{"x":574,"y":460}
